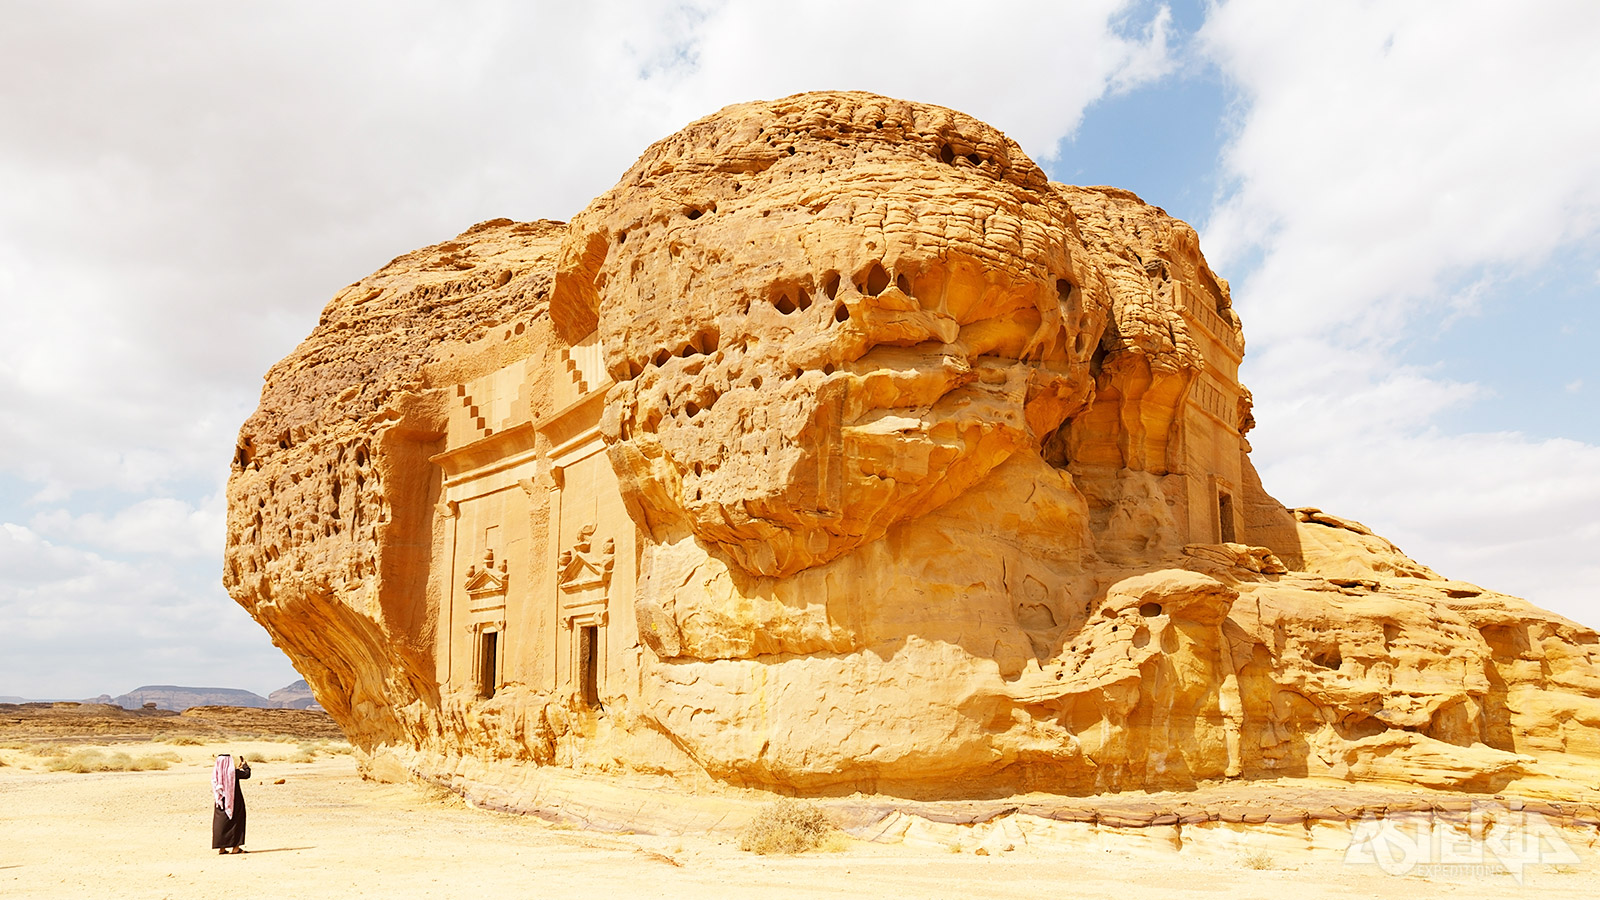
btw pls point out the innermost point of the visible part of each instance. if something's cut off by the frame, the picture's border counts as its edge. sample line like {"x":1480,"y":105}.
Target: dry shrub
{"x":185,"y":740}
{"x":790,"y":826}
{"x":306,"y":754}
{"x":1257,"y":859}
{"x":83,"y":761}
{"x":438,"y":793}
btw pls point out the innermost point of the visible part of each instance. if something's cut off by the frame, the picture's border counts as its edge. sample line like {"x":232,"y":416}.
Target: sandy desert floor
{"x":324,"y":832}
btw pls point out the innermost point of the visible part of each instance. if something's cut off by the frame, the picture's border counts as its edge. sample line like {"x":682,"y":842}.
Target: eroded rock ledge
{"x":837,"y":449}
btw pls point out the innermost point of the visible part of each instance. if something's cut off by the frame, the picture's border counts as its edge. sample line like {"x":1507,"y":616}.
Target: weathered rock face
{"x":835,"y":447}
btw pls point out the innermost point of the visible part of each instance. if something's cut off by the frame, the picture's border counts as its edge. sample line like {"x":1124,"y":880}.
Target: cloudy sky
{"x":1405,"y":196}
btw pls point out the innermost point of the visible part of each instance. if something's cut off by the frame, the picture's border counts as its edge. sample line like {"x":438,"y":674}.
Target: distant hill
{"x":294,"y":696}
{"x":174,"y":697}
{"x":179,"y":698}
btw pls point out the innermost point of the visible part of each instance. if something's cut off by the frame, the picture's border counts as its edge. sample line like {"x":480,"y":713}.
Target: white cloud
{"x":157,"y":525}
{"x":1499,"y":510}
{"x":183,"y":186}
{"x":78,"y":624}
{"x":1390,"y":146}
{"x":1028,"y":68}
{"x":1386,"y":152}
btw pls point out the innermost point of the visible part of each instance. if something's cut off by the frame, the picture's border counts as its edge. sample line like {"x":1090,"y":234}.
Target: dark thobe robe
{"x":226,"y":832}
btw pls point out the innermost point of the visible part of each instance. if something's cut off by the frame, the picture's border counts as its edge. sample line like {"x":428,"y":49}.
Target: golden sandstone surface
{"x":836,"y":449}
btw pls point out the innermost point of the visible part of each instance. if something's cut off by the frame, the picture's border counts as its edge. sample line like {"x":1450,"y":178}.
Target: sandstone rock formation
{"x":836,"y":448}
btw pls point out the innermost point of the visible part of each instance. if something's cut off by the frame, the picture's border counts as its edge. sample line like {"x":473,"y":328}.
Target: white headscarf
{"x":223,"y":779}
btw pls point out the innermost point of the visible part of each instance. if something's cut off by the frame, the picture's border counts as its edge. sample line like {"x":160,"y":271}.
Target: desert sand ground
{"x":324,"y":832}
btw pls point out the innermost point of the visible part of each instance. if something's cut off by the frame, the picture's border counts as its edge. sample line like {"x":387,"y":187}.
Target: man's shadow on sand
{"x":268,"y":850}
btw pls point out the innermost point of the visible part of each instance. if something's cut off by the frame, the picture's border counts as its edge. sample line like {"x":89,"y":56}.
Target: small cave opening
{"x":1361,"y":726}
{"x":841,"y":313}
{"x":1328,"y":659}
{"x":1150,"y":610}
{"x":1055,"y":449}
{"x":1507,"y":641}
{"x":877,"y":280}
{"x":1097,"y":360}
{"x":830,"y":285}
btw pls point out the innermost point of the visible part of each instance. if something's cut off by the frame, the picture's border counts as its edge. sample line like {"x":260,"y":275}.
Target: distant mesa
{"x":178,"y":699}
{"x":837,"y":449}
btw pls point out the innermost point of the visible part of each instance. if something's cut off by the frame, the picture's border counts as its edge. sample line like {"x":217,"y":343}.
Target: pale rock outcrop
{"x":836,"y":448}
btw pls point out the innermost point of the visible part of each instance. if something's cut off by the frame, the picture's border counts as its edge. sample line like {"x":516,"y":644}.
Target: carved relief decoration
{"x":583,"y":567}
{"x":584,"y":575}
{"x":488,"y":580}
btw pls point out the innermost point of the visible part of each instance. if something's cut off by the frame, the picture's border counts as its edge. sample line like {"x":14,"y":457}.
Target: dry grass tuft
{"x":791,"y":826}
{"x":1259,"y":860}
{"x":84,"y":761}
{"x":310,"y":750}
{"x":185,"y":740}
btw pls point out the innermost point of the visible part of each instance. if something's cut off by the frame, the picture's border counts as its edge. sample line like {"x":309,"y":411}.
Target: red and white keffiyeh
{"x":223,"y":779}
